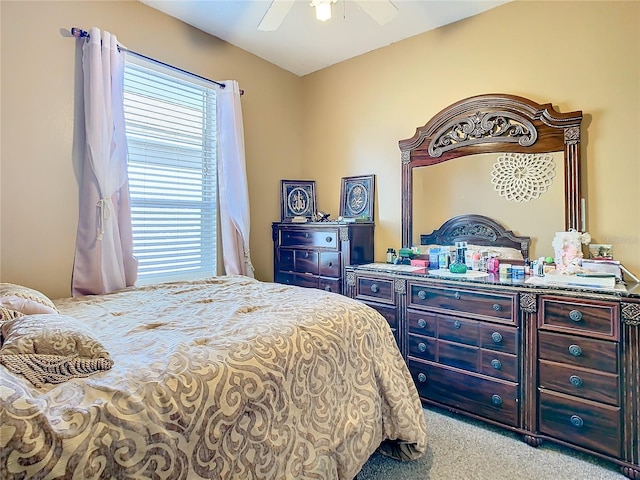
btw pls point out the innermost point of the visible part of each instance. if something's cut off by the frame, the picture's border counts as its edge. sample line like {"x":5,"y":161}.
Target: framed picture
{"x":357,"y":195}
{"x":297,"y":199}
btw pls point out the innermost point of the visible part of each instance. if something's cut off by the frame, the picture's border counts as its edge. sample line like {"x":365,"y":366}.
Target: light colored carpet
{"x":464,"y":449}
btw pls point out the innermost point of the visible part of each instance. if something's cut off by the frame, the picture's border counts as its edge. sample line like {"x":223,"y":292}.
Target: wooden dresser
{"x":550,"y":363}
{"x":314,"y":254}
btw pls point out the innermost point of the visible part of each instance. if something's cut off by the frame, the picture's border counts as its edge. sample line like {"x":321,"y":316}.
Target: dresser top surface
{"x":492,"y":280}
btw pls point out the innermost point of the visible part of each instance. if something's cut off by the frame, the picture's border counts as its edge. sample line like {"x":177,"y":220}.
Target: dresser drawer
{"x":306,"y":261}
{"x":580,"y":316}
{"x":475,"y":304}
{"x":493,"y":399}
{"x":329,"y":264}
{"x":578,"y":351}
{"x":424,"y":348}
{"x":497,"y":337}
{"x":422,"y":323}
{"x":333,"y":285}
{"x":310,"y":238}
{"x":589,"y":384}
{"x":298,"y":279}
{"x":378,"y":289}
{"x":458,"y":330}
{"x":581,"y":422}
{"x":459,"y":356}
{"x":499,"y":365}
{"x":286,"y":259}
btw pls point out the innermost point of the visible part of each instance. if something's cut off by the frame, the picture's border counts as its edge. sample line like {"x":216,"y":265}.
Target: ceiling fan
{"x":382,"y":11}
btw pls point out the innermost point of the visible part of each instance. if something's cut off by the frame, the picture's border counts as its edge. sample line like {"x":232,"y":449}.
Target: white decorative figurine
{"x":568,"y":251}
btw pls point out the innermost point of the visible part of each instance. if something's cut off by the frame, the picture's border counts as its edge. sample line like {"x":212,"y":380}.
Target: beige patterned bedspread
{"x":228,"y":378}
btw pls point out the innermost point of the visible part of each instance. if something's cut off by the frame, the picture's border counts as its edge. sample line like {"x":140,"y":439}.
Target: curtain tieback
{"x":247,"y":260}
{"x":104,"y":214}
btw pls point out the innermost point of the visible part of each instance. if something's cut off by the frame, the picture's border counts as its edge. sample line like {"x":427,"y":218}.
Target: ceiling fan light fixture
{"x":323,"y":9}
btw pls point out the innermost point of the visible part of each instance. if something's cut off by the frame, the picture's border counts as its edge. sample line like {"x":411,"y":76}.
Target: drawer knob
{"x":328,"y":239}
{"x":496,"y":400}
{"x":422,"y":294}
{"x":496,"y":307}
{"x":575,"y":315}
{"x":375,"y":288}
{"x":422,"y":347}
{"x":576,"y":421}
{"x":575,"y":350}
{"x":497,"y":364}
{"x":422,"y":323}
{"x":422,"y":378}
{"x":306,"y":234}
{"x":457,"y":324}
{"x":330,"y":264}
{"x":457,"y":295}
{"x":576,"y":381}
{"x":306,"y":254}
{"x":496,"y":337}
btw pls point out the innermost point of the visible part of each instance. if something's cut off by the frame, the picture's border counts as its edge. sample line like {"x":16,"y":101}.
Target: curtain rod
{"x":79,"y":33}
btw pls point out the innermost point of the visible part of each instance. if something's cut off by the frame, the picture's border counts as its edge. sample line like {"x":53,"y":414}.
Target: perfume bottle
{"x":459,"y":266}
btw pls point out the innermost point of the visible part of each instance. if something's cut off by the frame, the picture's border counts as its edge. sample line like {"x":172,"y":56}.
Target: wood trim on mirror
{"x":494,"y":123}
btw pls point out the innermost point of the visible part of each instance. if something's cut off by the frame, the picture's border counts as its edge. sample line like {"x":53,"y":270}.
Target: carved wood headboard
{"x":476,"y":230}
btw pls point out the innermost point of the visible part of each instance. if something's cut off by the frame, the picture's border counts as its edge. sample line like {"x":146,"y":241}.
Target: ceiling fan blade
{"x":275,"y":15}
{"x":382,"y":11}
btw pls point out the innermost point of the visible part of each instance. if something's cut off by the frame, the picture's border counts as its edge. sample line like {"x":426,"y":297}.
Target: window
{"x":171,"y":135}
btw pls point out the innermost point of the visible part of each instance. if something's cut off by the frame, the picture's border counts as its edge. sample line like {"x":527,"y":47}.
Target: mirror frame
{"x":494,"y":123}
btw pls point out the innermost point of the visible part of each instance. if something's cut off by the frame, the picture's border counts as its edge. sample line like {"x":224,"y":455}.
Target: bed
{"x":226,"y":378}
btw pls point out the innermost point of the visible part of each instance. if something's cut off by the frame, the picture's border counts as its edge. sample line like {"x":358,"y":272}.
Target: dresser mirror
{"x":498,"y":155}
{"x":465,"y":185}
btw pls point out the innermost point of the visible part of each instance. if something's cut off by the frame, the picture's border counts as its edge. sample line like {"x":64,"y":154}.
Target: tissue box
{"x":419,"y":262}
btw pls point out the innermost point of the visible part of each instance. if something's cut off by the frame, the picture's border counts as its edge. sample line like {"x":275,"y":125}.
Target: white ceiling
{"x":302,"y":44}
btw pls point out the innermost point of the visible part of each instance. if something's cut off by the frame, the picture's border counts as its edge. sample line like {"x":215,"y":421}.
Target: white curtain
{"x":104,"y":260}
{"x":232,"y":181}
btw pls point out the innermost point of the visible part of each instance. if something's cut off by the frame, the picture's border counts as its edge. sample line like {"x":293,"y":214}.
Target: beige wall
{"x":41,"y":133}
{"x":342,"y":121}
{"x":576,"y":55}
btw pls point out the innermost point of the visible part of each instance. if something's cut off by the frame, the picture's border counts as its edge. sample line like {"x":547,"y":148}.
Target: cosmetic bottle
{"x":493,"y":264}
{"x":433,"y":258}
{"x":391,"y":254}
{"x":443,"y":258}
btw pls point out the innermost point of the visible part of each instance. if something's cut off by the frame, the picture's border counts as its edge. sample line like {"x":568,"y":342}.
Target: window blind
{"x":171,"y":137}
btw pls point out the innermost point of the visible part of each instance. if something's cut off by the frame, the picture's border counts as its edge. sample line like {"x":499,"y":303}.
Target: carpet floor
{"x":464,"y":449}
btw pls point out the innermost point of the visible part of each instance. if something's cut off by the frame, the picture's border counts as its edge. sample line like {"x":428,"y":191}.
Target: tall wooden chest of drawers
{"x":314,"y":254}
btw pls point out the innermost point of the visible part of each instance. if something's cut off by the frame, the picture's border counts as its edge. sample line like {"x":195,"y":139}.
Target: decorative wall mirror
{"x":498,"y":155}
